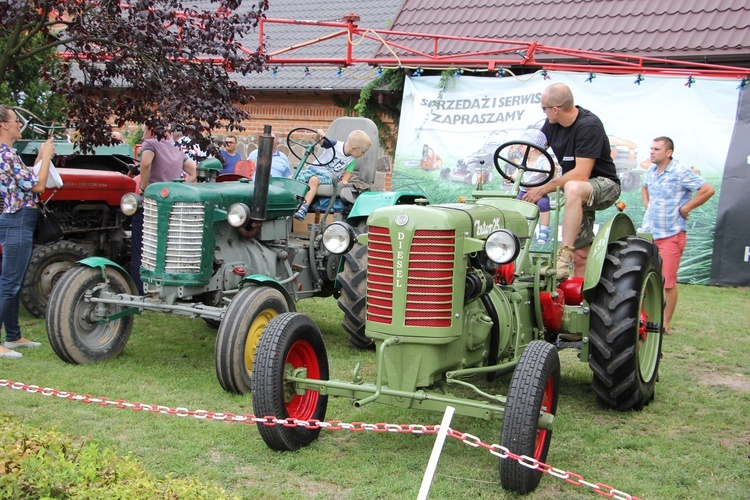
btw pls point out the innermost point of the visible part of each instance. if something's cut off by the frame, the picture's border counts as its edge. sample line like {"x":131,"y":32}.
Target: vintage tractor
{"x":454,"y":292}
{"x":227,"y":252}
{"x":87,"y":207}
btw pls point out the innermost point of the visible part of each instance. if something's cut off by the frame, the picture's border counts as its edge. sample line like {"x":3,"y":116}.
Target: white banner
{"x":442,"y":132}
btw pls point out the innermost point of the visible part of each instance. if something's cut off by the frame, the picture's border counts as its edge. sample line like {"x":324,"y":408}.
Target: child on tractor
{"x":539,"y":162}
{"x":340,"y":167}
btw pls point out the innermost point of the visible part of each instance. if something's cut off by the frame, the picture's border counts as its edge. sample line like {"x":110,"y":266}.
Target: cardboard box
{"x":303,"y":226}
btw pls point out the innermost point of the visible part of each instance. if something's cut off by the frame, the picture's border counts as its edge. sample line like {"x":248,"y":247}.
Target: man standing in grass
{"x":668,"y":197}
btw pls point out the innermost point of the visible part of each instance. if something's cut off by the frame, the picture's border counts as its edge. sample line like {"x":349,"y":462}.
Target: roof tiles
{"x":670,"y":28}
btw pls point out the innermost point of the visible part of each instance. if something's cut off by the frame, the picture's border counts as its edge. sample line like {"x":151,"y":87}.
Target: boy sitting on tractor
{"x":340,"y":167}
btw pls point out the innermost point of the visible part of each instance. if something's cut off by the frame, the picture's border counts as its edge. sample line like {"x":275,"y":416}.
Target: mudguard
{"x":263,"y":280}
{"x":103,"y":263}
{"x":614,"y":229}
{"x":368,"y":201}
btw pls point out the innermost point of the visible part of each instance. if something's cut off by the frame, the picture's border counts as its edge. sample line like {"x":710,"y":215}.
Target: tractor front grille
{"x":184,"y":237}
{"x":429,"y":277}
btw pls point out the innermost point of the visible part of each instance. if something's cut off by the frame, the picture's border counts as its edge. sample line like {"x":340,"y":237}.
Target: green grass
{"x":691,"y":442}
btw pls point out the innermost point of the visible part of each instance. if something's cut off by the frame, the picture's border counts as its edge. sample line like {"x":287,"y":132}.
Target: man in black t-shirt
{"x":589,"y":179}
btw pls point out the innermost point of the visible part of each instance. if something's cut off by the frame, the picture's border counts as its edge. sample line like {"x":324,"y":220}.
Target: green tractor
{"x":455,"y":292}
{"x":226,"y":251}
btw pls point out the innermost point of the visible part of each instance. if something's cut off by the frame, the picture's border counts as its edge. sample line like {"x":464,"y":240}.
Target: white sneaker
{"x":16,"y":345}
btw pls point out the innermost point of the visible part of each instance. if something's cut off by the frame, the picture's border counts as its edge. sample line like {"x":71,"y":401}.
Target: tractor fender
{"x":263,"y":280}
{"x":368,"y":201}
{"x":103,"y":263}
{"x":614,"y":229}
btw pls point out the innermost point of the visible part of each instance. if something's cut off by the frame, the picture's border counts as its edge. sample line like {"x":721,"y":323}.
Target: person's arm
{"x":147,"y":159}
{"x":326,"y":143}
{"x":644,"y":196}
{"x":189,"y":168}
{"x":703,"y":194}
{"x":46,"y":152}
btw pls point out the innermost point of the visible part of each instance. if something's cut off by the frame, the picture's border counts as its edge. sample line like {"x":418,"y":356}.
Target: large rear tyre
{"x":291,"y":345}
{"x":78,"y":329}
{"x":534,"y":388}
{"x":48,"y":264}
{"x":247,"y":316}
{"x":626,"y":327}
{"x":353,"y":301}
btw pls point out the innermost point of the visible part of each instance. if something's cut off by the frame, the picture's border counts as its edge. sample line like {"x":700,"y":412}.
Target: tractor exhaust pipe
{"x":262,"y":177}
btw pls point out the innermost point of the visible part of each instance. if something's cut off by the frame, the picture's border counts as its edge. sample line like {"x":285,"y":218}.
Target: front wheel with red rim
{"x":534,"y":389}
{"x":291,"y":345}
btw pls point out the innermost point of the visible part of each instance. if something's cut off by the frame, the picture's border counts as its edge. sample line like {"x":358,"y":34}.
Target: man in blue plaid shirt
{"x":667,"y":193}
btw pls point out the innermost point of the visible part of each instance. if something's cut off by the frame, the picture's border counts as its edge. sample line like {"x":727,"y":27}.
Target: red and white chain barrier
{"x":331,"y":425}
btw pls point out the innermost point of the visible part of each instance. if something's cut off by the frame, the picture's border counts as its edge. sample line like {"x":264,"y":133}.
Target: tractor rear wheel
{"x":48,"y":263}
{"x":78,"y":329}
{"x":292,"y":342}
{"x":534,"y":387}
{"x":626,"y":327}
{"x":246,"y":318}
{"x":353,"y":281}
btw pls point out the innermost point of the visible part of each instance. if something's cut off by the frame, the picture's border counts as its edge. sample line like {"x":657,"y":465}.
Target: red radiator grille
{"x":379,"y":275}
{"x":429,"y":288}
{"x":430,"y":285}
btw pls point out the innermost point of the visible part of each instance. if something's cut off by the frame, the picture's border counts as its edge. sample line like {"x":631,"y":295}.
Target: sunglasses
{"x":229,"y":143}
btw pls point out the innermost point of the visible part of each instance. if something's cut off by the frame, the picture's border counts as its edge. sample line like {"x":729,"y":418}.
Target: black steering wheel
{"x":516,"y":154}
{"x":307,"y":139}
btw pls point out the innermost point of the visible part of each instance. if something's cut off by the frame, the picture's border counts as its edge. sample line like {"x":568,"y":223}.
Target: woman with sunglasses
{"x":20,"y":188}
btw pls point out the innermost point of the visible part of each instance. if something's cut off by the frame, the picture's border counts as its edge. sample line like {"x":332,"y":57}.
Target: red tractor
{"x":87,"y":207}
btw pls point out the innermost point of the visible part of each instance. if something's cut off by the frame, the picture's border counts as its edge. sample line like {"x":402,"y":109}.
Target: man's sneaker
{"x":543,"y":237}
{"x":301,"y":212}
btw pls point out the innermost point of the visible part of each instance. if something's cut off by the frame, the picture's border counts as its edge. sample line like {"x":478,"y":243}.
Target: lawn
{"x":692,"y":441}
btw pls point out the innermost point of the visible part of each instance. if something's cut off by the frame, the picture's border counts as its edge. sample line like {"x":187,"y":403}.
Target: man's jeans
{"x":17,"y":240}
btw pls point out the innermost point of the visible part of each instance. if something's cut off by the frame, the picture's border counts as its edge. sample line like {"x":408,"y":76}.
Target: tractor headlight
{"x":130,"y":203}
{"x":339,"y":238}
{"x":238,"y":215}
{"x":502,"y":246}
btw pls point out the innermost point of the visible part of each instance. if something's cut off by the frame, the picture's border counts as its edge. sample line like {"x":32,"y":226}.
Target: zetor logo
{"x":483,"y":228}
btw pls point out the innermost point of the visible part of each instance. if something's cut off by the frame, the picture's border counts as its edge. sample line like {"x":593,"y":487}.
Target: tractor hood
{"x":222,"y":195}
{"x":92,"y":185}
{"x":468,"y":219}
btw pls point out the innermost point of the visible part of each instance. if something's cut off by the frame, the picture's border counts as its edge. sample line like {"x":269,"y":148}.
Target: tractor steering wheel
{"x":516,"y":154}
{"x":28,"y":118}
{"x":307,"y":139}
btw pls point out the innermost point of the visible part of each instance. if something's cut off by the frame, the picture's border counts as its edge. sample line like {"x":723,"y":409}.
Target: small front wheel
{"x":533,"y":389}
{"x":79,"y":330}
{"x":291,"y":346}
{"x":246,"y":318}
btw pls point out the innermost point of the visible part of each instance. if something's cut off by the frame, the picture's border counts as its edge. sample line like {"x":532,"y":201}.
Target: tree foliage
{"x":24,"y":87}
{"x":157,"y":62}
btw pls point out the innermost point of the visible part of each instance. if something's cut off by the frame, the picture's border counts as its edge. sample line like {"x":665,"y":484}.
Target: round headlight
{"x":502,"y":246}
{"x":238,"y":215}
{"x":130,"y":203}
{"x":339,"y":238}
